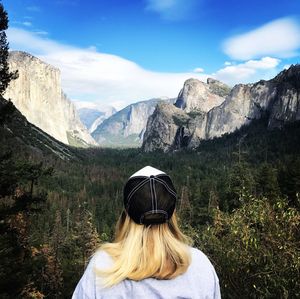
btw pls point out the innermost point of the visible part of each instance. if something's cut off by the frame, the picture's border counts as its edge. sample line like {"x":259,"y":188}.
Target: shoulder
{"x":101,"y":259}
{"x":203,"y":271}
{"x":199,"y":256}
{"x":87,"y":287}
{"x":200,"y":261}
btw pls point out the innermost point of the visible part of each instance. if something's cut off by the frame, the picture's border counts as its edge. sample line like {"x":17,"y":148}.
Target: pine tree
{"x":267,"y":181}
{"x":18,"y":270}
{"x":5,"y":75}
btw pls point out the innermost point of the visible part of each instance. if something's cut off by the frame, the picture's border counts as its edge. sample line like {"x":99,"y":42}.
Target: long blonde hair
{"x":139,"y":251}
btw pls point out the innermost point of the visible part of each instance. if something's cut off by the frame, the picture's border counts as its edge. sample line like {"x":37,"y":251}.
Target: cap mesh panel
{"x":141,"y":206}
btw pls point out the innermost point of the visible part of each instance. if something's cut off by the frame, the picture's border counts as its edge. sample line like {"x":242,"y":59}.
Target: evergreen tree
{"x":267,"y":181}
{"x":5,"y":75}
{"x":17,"y":207}
{"x":241,"y":183}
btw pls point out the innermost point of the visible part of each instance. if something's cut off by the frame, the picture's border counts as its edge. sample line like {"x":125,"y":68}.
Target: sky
{"x":116,"y":52}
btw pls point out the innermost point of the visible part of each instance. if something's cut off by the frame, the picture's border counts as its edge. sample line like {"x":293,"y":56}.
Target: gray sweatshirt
{"x":200,"y":281}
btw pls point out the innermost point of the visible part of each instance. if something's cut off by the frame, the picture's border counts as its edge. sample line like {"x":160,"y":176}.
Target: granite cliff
{"x":19,"y":136}
{"x":126,"y":127}
{"x":199,"y":96}
{"x":172,"y":127}
{"x":37,"y":93}
{"x":93,"y":117}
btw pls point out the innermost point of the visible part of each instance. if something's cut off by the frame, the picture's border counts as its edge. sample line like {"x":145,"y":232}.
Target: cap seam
{"x":166,"y":186}
{"x":136,"y":188}
{"x":155,"y":196}
{"x":151,"y":191}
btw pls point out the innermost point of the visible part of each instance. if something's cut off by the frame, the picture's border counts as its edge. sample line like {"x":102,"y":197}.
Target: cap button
{"x":151,"y":176}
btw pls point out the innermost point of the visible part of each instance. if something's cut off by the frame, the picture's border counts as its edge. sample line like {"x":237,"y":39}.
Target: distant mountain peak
{"x":290,"y":75}
{"x":197,"y":95}
{"x":171,"y":128}
{"x":21,"y":57}
{"x":126,"y":127}
{"x":37,"y":93}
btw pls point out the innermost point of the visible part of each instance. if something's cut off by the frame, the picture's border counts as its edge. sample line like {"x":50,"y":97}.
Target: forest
{"x":238,"y":201}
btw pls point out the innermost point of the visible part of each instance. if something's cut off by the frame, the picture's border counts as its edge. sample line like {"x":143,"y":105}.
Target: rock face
{"x":184,"y":127}
{"x":92,"y":118}
{"x":198,"y":96}
{"x":19,"y":135}
{"x":38,"y":95}
{"x":126,"y":127}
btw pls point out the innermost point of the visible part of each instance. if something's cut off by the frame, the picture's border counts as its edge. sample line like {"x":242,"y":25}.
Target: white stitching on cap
{"x":155,"y":196}
{"x":151,"y":191}
{"x":166,"y":185}
{"x":138,"y":186}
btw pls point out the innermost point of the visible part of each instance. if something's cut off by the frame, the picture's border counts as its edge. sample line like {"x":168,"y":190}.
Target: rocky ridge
{"x":126,"y":127}
{"x":18,"y":135}
{"x":92,"y":117}
{"x":278,"y":98}
{"x":38,"y":95}
{"x":199,"y":96}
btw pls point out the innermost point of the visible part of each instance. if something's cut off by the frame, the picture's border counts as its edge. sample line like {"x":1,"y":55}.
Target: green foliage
{"x":5,"y":75}
{"x":221,"y":90}
{"x":180,"y":120}
{"x":196,"y":114}
{"x":120,"y":141}
{"x":256,"y":249}
{"x":267,"y":181}
{"x":18,"y":203}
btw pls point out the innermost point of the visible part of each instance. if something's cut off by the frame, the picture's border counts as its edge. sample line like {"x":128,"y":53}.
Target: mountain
{"x":37,"y":93}
{"x":17,"y":134}
{"x":185,"y":125}
{"x":126,"y":127}
{"x":199,"y":96}
{"x":93,"y":117}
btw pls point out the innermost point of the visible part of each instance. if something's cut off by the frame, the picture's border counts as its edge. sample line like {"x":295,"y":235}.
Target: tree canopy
{"x":5,"y":75}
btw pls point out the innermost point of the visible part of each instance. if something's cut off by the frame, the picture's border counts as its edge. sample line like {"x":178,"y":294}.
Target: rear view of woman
{"x":150,"y":256}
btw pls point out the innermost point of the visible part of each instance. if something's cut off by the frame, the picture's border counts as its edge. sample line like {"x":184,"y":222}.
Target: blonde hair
{"x":159,"y":251}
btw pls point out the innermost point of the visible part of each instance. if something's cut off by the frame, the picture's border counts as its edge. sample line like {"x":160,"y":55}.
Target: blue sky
{"x":117,"y":52}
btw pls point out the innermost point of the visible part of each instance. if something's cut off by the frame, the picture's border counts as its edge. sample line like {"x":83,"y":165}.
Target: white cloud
{"x":227,"y":63}
{"x":67,"y":2}
{"x":280,"y":38}
{"x":198,"y":70}
{"x":33,"y":8}
{"x":104,"y":79}
{"x":41,"y":32}
{"x":27,"y":24}
{"x":88,"y":75}
{"x":92,"y":105}
{"x":172,"y":10}
{"x":249,"y":71}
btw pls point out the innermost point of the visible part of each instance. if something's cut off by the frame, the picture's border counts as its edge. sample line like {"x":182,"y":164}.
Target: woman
{"x":150,"y":256}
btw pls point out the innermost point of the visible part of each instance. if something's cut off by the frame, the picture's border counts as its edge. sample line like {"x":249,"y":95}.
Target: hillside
{"x":23,"y":138}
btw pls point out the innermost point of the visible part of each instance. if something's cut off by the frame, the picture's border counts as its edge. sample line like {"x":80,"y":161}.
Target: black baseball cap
{"x":149,"y":196}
